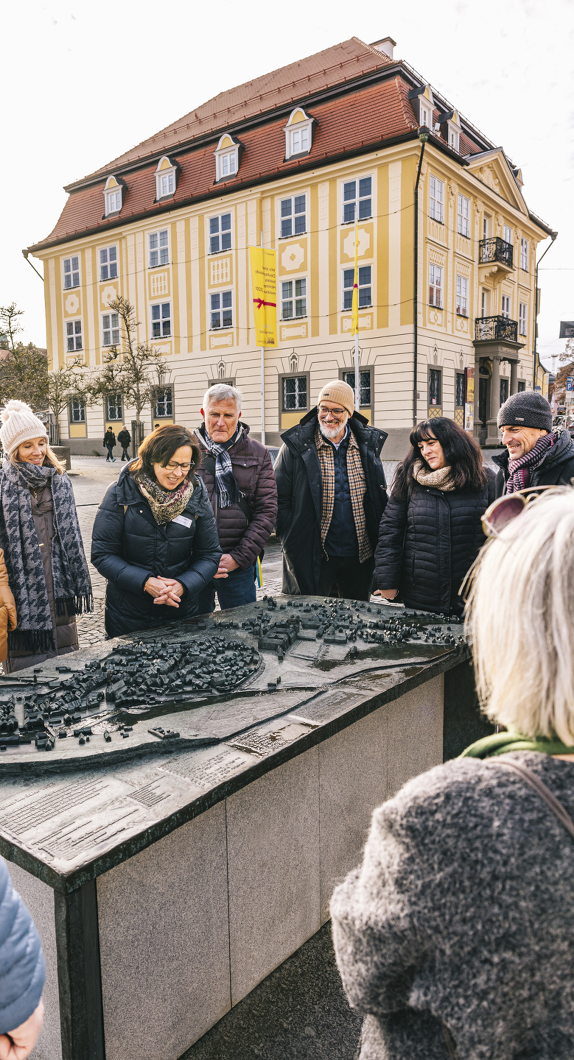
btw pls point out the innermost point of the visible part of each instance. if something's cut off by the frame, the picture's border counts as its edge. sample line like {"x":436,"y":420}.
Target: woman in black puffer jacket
{"x":430,"y":532}
{"x":154,"y":536}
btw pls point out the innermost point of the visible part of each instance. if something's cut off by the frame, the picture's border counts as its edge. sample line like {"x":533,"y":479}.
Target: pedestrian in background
{"x":124,"y":438}
{"x":109,"y":444}
{"x":331,"y":493}
{"x":431,"y":530}
{"x":536,"y":453}
{"x":43,"y":549}
{"x":455,"y":936}
{"x":22,"y":974}
{"x":238,"y":474}
{"x":154,"y":536}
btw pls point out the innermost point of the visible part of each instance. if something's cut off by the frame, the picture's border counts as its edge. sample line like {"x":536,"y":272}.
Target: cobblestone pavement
{"x":91,"y":477}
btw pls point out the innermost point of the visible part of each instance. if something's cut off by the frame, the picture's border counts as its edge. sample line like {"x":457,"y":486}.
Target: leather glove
{"x":8,"y":617}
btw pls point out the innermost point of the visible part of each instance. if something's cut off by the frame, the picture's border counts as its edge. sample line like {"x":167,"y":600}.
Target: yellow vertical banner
{"x":264,"y":284}
{"x":355,"y":305}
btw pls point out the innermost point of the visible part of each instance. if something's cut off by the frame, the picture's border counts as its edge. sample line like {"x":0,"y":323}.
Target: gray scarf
{"x":18,"y":538}
{"x":228,"y":492}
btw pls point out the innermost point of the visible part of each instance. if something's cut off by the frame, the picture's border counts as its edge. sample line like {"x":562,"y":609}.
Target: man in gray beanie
{"x":536,"y":454}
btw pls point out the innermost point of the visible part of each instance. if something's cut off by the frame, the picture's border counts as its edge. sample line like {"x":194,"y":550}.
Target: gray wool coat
{"x":462,"y":913}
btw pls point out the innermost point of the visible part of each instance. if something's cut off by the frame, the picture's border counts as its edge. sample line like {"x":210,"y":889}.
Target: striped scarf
{"x":228,"y":492}
{"x":519,"y":471}
{"x":357,"y":487}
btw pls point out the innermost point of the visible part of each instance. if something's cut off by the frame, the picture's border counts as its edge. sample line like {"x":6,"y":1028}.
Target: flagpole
{"x":356,"y":329}
{"x":262,"y":377}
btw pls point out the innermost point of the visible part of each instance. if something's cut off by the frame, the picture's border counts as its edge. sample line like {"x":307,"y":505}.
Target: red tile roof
{"x":360,"y":119}
{"x":292,"y":83}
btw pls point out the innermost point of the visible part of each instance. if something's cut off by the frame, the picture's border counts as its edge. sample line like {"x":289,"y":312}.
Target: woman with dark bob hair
{"x":154,"y":537}
{"x":430,"y":533}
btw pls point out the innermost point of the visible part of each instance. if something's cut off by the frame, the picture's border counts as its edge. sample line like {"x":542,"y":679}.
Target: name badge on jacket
{"x":183,"y":520}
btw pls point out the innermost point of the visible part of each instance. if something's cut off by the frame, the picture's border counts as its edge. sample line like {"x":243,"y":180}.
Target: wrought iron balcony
{"x":495,"y":250}
{"x":489,"y":329}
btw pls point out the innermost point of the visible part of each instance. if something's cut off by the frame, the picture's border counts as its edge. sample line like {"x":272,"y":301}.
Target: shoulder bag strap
{"x":545,"y":794}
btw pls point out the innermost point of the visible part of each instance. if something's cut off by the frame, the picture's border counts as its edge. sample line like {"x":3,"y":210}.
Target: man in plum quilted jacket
{"x":238,"y":474}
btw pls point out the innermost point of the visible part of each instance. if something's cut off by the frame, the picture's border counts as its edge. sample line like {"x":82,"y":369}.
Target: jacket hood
{"x":128,"y":493}
{"x":298,"y":437}
{"x":564,"y":448}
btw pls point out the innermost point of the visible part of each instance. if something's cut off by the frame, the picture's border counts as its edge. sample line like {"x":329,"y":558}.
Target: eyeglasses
{"x":337,"y":414}
{"x":173,"y":465}
{"x":502,"y":511}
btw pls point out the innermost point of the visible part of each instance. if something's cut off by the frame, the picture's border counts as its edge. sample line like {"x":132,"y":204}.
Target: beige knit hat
{"x":19,"y":424}
{"x":339,"y":391}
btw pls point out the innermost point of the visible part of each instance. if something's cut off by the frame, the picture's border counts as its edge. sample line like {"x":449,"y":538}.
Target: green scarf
{"x":502,"y":742}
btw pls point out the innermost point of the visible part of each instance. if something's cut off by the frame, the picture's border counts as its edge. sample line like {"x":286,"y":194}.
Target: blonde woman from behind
{"x":455,"y":936}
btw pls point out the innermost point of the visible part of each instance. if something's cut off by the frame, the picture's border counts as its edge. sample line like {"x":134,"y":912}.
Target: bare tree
{"x":10,"y":325}
{"x":132,"y":371}
{"x":63,"y":385}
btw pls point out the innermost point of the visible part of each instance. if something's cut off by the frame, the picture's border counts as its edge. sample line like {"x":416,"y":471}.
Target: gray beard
{"x":331,"y":432}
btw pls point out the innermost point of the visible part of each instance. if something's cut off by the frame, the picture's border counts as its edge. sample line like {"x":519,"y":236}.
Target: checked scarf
{"x":519,"y":471}
{"x":228,"y":492}
{"x":165,"y":505}
{"x":357,"y":487}
{"x":18,"y":538}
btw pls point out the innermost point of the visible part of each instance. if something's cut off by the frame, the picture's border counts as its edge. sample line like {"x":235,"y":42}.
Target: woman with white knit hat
{"x":40,"y":536}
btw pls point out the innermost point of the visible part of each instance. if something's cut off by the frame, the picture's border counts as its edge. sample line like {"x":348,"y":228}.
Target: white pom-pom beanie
{"x":19,"y":424}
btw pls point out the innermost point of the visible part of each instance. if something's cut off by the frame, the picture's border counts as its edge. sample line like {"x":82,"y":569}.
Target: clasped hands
{"x":164,"y":590}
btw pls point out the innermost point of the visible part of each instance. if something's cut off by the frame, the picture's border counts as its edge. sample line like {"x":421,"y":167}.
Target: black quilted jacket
{"x":427,"y":544}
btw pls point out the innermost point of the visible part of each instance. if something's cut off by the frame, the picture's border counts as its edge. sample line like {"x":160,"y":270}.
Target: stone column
{"x":477,"y":424}
{"x":493,"y":437}
{"x":514,"y":377}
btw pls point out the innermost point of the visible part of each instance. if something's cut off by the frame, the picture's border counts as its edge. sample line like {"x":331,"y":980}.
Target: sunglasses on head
{"x":502,"y":511}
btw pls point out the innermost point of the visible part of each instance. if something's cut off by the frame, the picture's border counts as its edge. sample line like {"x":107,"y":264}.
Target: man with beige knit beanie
{"x":332,"y":494}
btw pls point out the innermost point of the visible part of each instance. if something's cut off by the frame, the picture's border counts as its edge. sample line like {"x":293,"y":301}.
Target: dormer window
{"x":113,"y":195}
{"x":227,"y":157}
{"x":298,"y":134}
{"x":423,"y":105}
{"x":450,"y":129}
{"x":165,"y":178}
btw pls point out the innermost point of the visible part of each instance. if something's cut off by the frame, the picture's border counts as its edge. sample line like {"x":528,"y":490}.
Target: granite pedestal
{"x":168,"y":876}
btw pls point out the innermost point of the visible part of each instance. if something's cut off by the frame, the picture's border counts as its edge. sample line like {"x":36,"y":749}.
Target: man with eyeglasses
{"x":238,"y":474}
{"x":332,"y":494}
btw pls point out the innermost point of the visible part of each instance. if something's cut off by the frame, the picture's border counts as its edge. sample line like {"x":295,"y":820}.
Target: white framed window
{"x":298,"y":133}
{"x":165,"y":178}
{"x":221,"y":310}
{"x":113,"y":195}
{"x":522,"y":310}
{"x":74,"y":336}
{"x":507,"y":234}
{"x":108,"y":263}
{"x":486,"y":226}
{"x":114,"y":406}
{"x":77,"y":410}
{"x":463,"y":216}
{"x":435,"y":285}
{"x":524,"y":254}
{"x":163,"y":403}
{"x":161,"y":320}
{"x":425,"y":114}
{"x":484,"y":302}
{"x":293,"y":299}
{"x":462,"y":296}
{"x":158,"y":248}
{"x":294,"y":393}
{"x":453,"y":138}
{"x":227,"y":157}
{"x":110,"y":329}
{"x":505,"y":310}
{"x":220,"y":233}
{"x":357,"y":199}
{"x":436,"y":199}
{"x":423,"y":104}
{"x":365,"y":287}
{"x":71,"y":272}
{"x":293,"y":216}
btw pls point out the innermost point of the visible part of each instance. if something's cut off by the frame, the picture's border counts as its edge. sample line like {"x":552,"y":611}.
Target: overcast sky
{"x":83,"y":82}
